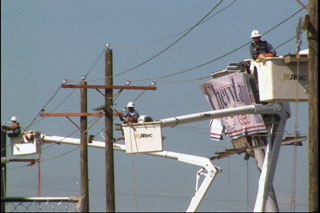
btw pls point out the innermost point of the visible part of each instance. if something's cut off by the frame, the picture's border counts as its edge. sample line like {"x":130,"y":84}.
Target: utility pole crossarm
{"x":62,"y":114}
{"x":109,"y":87}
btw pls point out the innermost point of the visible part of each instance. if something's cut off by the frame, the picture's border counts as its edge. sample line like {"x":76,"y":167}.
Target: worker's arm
{"x":12,"y":127}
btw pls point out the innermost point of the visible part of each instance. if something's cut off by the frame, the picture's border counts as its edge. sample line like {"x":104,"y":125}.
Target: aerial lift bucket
{"x":283,"y":78}
{"x":25,"y":144}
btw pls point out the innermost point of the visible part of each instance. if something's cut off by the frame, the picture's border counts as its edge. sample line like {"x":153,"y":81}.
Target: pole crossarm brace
{"x":62,"y":114}
{"x":109,"y":87}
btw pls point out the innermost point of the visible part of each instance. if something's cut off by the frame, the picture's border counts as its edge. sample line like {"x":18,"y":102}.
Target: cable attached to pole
{"x":296,"y":125}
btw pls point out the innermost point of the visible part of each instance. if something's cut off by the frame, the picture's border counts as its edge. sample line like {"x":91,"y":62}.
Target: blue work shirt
{"x":261,"y":47}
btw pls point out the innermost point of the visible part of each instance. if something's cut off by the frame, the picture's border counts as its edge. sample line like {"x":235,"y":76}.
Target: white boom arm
{"x":272,"y":108}
{"x":210,"y":169}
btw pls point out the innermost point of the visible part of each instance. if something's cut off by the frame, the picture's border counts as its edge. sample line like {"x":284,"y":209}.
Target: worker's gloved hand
{"x":261,"y":58}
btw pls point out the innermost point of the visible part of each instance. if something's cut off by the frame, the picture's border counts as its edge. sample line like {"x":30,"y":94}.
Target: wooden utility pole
{"x":312,"y":35}
{"x":108,"y":114}
{"x":109,"y":161}
{"x":84,"y":148}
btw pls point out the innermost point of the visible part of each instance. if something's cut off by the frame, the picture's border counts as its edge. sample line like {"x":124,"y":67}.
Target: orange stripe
{"x":215,"y":134}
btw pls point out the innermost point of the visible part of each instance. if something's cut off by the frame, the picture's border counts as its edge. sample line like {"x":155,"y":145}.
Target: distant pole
{"x":110,"y":196}
{"x":84,"y":148}
{"x":3,"y":168}
{"x":312,"y":35}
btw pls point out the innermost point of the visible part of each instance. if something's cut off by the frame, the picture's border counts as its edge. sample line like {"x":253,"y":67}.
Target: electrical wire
{"x":209,"y":76}
{"x":302,"y":5}
{"x":42,"y":149}
{"x":148,"y":195}
{"x":296,"y":126}
{"x":203,"y":64}
{"x":173,"y":74}
{"x":185,"y":81}
{"x":195,"y":79}
{"x":183,"y":31}
{"x":248,"y":184}
{"x":290,"y":39}
{"x":219,"y":57}
{"x":134,"y":183}
{"x":94,"y":64}
{"x":42,"y":109}
{"x":61,"y":155}
{"x":55,"y":108}
{"x":94,"y":120}
{"x":56,"y":92}
{"x":172,"y":44}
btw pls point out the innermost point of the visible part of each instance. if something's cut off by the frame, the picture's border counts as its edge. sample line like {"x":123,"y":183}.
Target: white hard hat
{"x":255,"y":34}
{"x":130,"y":104}
{"x":13,"y":118}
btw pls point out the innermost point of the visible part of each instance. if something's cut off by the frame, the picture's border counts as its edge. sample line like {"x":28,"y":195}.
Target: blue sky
{"x":44,"y":42}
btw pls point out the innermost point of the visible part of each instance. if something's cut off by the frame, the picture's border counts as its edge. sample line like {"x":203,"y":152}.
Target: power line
{"x":172,"y":44}
{"x":55,"y":108}
{"x":219,"y":57}
{"x":154,"y":195}
{"x":42,"y":109}
{"x":183,"y":31}
{"x":56,"y":92}
{"x":94,"y":64}
{"x":185,"y":81}
{"x":302,"y":5}
{"x":151,"y":58}
{"x":209,"y":76}
{"x":285,"y":42}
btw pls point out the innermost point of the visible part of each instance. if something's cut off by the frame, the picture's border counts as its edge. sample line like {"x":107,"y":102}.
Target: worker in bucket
{"x":14,"y":127}
{"x":129,"y":114}
{"x":260,"y":49}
